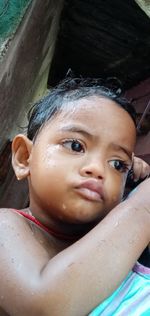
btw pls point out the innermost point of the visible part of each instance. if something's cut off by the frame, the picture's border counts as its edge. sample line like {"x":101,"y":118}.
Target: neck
{"x":59,"y":229}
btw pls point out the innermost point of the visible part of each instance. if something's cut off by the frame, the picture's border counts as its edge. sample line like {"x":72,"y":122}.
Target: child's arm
{"x":73,"y":282}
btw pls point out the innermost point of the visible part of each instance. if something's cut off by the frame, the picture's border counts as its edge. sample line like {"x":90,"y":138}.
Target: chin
{"x":88,"y":214}
{"x":89,"y":219}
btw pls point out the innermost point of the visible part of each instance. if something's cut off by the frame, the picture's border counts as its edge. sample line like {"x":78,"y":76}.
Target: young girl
{"x":65,"y":254}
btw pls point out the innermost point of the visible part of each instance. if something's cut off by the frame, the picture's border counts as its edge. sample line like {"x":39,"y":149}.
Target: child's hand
{"x":141,"y":169}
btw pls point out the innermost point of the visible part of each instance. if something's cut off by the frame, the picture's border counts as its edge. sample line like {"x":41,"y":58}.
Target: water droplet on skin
{"x":19,"y":266}
{"x":64,"y":207}
{"x":2,"y":297}
{"x":116,"y":224}
{"x":48,"y":158}
{"x":131,"y":241}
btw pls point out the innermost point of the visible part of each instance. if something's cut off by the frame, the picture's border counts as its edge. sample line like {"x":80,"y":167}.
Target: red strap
{"x":50,"y":231}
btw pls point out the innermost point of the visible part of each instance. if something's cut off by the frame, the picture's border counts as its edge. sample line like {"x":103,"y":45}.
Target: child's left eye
{"x":119,"y":165}
{"x":74,"y":145}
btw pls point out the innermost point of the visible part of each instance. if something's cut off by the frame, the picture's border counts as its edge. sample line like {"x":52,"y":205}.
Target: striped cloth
{"x":132,"y":298}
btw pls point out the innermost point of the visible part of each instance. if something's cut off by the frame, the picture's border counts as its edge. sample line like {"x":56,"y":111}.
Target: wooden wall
{"x":24,"y":71}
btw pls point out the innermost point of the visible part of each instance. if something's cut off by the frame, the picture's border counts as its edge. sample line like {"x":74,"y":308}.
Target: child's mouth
{"x":91,"y":190}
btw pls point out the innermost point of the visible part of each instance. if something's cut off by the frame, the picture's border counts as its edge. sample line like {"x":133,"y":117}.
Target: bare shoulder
{"x":8,"y":214}
{"x":18,"y":244}
{"x":22,"y":259}
{"x":16,"y":230}
{"x":11,"y":223}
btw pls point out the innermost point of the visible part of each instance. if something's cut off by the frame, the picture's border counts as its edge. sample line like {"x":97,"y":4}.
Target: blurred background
{"x":41,"y":40}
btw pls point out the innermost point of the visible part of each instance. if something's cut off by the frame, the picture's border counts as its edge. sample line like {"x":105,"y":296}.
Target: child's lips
{"x":91,"y":190}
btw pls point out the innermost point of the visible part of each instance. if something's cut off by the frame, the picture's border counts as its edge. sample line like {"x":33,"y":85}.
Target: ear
{"x":21,"y":150}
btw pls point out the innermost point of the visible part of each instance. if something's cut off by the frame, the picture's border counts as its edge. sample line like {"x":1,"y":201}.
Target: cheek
{"x":49,"y":159}
{"x":54,"y":158}
{"x":115,"y":189}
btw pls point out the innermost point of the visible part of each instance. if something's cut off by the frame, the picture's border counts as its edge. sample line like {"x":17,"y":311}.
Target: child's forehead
{"x":87,"y":105}
{"x":93,"y":111}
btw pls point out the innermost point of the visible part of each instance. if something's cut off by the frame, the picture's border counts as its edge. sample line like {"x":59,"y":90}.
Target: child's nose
{"x":93,"y":169}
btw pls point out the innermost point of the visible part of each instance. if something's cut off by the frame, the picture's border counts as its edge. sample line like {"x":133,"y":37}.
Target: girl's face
{"x":80,"y":161}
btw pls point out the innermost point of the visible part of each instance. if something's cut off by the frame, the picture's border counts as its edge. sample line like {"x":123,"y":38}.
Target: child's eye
{"x":119,"y":165}
{"x":74,"y":145}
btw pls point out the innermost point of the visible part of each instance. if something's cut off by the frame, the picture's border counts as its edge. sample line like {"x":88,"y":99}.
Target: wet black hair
{"x":68,"y":90}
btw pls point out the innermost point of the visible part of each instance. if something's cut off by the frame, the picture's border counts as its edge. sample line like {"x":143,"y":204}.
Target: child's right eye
{"x":74,"y":145}
{"x":119,"y":165}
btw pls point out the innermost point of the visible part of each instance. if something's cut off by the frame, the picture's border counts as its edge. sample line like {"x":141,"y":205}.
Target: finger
{"x":137,"y":170}
{"x":141,"y":168}
{"x":145,"y":171}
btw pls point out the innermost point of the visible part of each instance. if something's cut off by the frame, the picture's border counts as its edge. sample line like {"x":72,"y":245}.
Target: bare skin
{"x":42,"y":275}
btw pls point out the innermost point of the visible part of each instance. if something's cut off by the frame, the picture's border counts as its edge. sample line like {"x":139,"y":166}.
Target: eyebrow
{"x":77,"y":129}
{"x":124,"y":149}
